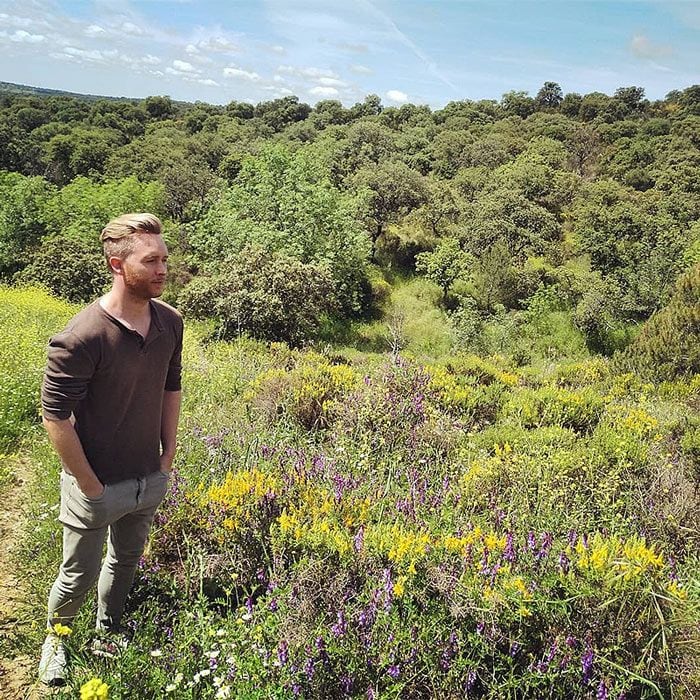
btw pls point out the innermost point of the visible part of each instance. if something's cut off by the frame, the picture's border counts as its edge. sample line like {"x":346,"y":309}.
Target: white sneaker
{"x":54,"y":662}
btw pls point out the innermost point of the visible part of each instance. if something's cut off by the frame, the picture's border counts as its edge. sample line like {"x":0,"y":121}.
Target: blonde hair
{"x":118,"y":235}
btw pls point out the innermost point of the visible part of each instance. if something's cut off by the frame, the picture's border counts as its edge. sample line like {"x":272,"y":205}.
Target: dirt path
{"x":17,"y":674}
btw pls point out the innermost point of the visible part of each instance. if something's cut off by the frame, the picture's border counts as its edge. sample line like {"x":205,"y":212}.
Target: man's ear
{"x":116,"y":264}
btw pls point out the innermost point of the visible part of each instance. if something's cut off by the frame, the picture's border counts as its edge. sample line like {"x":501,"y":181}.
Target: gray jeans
{"x":125,"y":510}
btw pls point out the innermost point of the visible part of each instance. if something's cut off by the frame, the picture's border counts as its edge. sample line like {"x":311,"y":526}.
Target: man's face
{"x":146,"y":267}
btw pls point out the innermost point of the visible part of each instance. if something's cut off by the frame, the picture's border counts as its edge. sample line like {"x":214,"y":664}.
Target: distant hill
{"x":47,"y":92}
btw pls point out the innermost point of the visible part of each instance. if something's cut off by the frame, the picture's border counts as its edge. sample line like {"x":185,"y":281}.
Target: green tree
{"x":74,"y":269}
{"x":22,"y":202}
{"x":550,"y":96}
{"x":389,"y":191}
{"x":669,"y":344}
{"x":444,"y":265}
{"x":285,"y":203}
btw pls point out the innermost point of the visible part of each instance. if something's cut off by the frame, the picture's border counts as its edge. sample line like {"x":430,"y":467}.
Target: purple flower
{"x":564,"y":562}
{"x":340,"y":627}
{"x":509,"y":551}
{"x":282,"y":652}
{"x":587,"y":664}
{"x":545,"y":546}
{"x":531,"y":541}
{"x":273,"y":605}
{"x":308,"y":669}
{"x":572,"y":537}
{"x":359,"y":539}
{"x":470,"y":682}
{"x":514,"y":648}
{"x":393,"y":671}
{"x":602,"y":692}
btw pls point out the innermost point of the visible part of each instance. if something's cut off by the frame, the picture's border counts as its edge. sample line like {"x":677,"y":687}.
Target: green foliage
{"x":444,"y":265}
{"x":669,"y":343}
{"x":81,"y":209}
{"x":268,"y":295}
{"x":69,"y":267}
{"x":28,"y":317}
{"x":22,"y":203}
{"x":286,"y":204}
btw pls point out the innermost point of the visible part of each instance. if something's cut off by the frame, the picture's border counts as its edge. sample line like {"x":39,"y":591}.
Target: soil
{"x":18,"y":673}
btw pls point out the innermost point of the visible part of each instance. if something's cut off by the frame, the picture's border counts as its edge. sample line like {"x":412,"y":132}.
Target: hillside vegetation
{"x":286,"y":222}
{"x":440,"y":433}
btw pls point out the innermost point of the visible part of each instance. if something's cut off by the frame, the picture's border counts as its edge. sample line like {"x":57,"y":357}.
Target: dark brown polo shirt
{"x":112,"y":381}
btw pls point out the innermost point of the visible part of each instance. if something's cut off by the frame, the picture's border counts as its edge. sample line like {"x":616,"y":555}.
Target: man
{"x":111,"y":404}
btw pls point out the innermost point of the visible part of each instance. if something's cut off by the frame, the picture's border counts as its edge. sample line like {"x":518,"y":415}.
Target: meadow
{"x":415,"y":523}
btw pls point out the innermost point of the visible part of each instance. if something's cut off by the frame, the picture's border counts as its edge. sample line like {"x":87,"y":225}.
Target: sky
{"x":419,"y":51}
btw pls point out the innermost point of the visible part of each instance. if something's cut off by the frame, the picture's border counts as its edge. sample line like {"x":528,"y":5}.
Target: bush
{"x":70,"y":268}
{"x":669,"y":344}
{"x":268,"y":296}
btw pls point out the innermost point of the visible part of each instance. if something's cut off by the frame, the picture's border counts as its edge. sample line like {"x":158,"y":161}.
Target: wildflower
{"x":471,"y":681}
{"x":282,"y":652}
{"x":61,"y":630}
{"x":393,"y":671}
{"x":602,"y":692}
{"x":94,"y":689}
{"x":509,"y":550}
{"x":564,"y":563}
{"x":223,"y":692}
{"x":340,"y":627}
{"x":587,"y":664}
{"x":399,"y":587}
{"x":156,"y":653}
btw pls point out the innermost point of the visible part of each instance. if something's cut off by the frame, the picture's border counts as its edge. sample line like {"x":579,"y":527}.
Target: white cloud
{"x":235,"y":72}
{"x":14,"y":21}
{"x":131,"y":28}
{"x":218,"y":44}
{"x":397,"y":96}
{"x":361,"y":70}
{"x":277,"y":91}
{"x":183,"y":66}
{"x":643,"y":47}
{"x":151,"y":60}
{"x":191,"y":49}
{"x":94,"y":55}
{"x":332,"y":82}
{"x":309,"y":72}
{"x":208,"y":82}
{"x":94,"y":30}
{"x":278,"y":49}
{"x":319,"y":91}
{"x":22,"y":37}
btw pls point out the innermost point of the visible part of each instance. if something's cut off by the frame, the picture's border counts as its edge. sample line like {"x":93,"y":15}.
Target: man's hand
{"x":92,"y":488}
{"x":166,"y":463}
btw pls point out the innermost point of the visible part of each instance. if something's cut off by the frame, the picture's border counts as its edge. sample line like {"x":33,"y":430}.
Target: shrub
{"x":669,"y":344}
{"x":269,"y":296}
{"x":70,"y":268}
{"x":308,"y":392}
{"x":579,"y":410}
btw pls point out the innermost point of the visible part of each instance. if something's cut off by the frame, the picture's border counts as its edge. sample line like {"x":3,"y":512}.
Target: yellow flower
{"x":61,"y":630}
{"x":675,"y":590}
{"x":400,"y":586}
{"x":94,"y":689}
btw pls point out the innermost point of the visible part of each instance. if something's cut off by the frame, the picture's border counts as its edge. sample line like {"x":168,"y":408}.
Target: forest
{"x":440,"y":432}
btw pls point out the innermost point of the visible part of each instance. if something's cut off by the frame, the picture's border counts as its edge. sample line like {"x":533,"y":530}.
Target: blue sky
{"x":420,"y":51}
